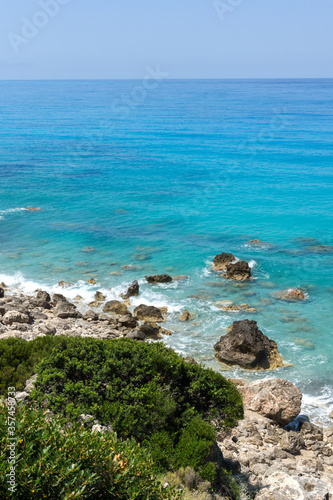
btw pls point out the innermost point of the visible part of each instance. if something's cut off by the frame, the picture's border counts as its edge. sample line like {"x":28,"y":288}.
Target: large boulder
{"x":132,"y":290}
{"x":274,"y":398}
{"x":159,"y":278}
{"x":66,"y":310}
{"x":239,"y":271}
{"x":12,"y":317}
{"x":221,"y":260}
{"x":150,"y":314}
{"x":246,"y":346}
{"x":280,"y":485}
{"x":117,"y":307}
{"x":151,"y":330}
{"x":127,"y":321}
{"x":136,"y":335}
{"x":57,"y":297}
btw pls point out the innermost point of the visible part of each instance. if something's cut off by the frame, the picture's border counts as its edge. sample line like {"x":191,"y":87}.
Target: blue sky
{"x":48,"y":39}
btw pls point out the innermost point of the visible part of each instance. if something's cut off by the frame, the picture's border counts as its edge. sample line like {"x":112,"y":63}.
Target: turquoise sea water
{"x":165,"y":178}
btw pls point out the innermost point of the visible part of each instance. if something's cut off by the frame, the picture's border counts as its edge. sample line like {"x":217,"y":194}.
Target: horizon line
{"x":164,"y":79}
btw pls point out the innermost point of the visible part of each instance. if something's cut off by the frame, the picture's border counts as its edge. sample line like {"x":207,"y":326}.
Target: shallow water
{"x":193,"y":169}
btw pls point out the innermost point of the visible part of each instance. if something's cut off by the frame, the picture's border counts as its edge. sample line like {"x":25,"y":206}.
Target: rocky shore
{"x":29,"y":317}
{"x":279,"y":453}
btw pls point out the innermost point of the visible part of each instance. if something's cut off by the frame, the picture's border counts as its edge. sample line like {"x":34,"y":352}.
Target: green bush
{"x":194,"y":448}
{"x":145,"y":391}
{"x":141,"y":388}
{"x":18,"y":360}
{"x":56,"y":462}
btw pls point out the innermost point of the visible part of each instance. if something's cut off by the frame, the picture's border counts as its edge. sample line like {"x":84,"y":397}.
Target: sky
{"x":116,"y":39}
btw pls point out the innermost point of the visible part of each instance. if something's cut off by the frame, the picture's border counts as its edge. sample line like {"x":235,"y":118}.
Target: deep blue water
{"x":166,"y":180}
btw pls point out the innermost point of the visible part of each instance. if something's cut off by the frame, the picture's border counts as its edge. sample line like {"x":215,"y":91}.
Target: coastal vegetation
{"x":57,"y":461}
{"x":164,"y":409}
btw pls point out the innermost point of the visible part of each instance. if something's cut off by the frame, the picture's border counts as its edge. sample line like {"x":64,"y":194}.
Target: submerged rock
{"x":159,"y":278}
{"x":88,"y":250}
{"x":239,"y":271}
{"x":246,"y":346}
{"x":274,"y":398}
{"x":151,"y":314}
{"x":132,"y":290}
{"x":221,"y":260}
{"x":290,"y":295}
{"x":141,"y":257}
{"x":320,"y":248}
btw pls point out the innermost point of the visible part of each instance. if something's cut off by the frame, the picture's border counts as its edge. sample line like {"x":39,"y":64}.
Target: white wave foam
{"x":319,"y":408}
{"x":11,"y":211}
{"x":252,"y":263}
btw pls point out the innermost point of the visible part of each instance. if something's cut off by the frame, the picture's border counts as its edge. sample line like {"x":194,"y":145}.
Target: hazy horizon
{"x":206,"y":39}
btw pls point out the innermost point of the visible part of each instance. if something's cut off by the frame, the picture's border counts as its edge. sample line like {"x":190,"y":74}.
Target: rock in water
{"x":99,"y":297}
{"x":115,"y":306}
{"x":159,"y":278}
{"x":65,"y":284}
{"x":2,"y":292}
{"x":239,"y":271}
{"x":132,"y":291}
{"x":185,"y":316}
{"x":246,"y":346}
{"x":291,"y":295}
{"x":274,"y":398}
{"x":150,"y":314}
{"x":220,"y":261}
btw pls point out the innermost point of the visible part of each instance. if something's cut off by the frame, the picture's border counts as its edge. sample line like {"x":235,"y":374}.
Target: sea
{"x":134,"y":178}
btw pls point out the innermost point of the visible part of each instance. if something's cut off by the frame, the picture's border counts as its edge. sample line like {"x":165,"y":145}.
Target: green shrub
{"x":18,"y":360}
{"x":59,"y":463}
{"x":145,"y":391}
{"x":194,"y":448}
{"x":141,"y":388}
